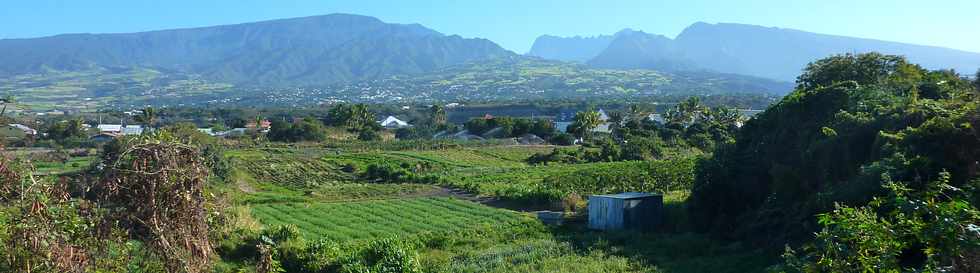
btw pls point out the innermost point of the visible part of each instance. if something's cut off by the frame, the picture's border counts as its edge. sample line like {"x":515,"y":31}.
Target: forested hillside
{"x":865,"y":141}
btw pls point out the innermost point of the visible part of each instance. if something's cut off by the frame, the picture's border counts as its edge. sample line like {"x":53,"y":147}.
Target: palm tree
{"x":148,"y":117}
{"x":586,"y":121}
{"x":360,"y":118}
{"x":636,"y":113}
{"x":7,"y":99}
{"x":76,"y":128}
{"x":437,"y":115}
{"x":686,"y":111}
{"x":258,"y":122}
{"x":616,"y":121}
{"x":727,"y":117}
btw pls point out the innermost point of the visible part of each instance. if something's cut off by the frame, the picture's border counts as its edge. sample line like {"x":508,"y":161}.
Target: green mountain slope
{"x":311,"y":50}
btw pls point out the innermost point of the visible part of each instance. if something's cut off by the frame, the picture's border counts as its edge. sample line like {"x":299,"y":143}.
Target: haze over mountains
{"x":360,"y":58}
{"x":736,"y":48}
{"x":573,"y":49}
{"x":310,"y":50}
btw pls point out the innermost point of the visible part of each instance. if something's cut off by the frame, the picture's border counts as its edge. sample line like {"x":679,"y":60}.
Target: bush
{"x":368,"y":135}
{"x":308,"y":129}
{"x":385,"y":172}
{"x":568,"y":156}
{"x":855,"y":122}
{"x":563,"y":139}
{"x":385,"y":256}
{"x":934,"y":231}
{"x":639,"y":176}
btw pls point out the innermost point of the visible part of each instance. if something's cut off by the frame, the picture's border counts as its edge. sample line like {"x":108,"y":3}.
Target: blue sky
{"x":515,"y":23}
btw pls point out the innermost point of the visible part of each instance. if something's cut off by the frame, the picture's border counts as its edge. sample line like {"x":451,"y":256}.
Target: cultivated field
{"x":382,"y":218}
{"x":460,"y":207}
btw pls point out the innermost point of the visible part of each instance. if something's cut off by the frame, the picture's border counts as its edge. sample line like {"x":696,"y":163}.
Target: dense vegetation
{"x":857,"y":128}
{"x":870,"y":165}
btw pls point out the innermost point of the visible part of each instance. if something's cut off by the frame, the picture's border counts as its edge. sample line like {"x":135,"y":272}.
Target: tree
{"x":356,"y":118}
{"x":66,"y":129}
{"x":686,"y":112}
{"x":437,"y":115}
{"x":586,"y":121}
{"x":864,"y":69}
{"x":361,"y":119}
{"x":308,"y":129}
{"x":543,"y":128}
{"x":727,"y":118}
{"x":148,"y":117}
{"x":834,"y":144}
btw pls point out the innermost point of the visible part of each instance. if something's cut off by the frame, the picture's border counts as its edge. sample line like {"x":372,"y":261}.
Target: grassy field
{"x":73,"y":164}
{"x":321,"y":191}
{"x":382,"y":218}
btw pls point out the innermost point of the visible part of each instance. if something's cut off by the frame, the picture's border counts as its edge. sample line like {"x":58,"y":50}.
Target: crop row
{"x":547,"y":183}
{"x":384,"y":218}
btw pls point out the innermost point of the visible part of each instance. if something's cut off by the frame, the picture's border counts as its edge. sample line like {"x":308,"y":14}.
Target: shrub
{"x":157,"y":183}
{"x":384,"y":256}
{"x":934,"y":231}
{"x":563,"y":139}
{"x":386,"y":172}
{"x":368,"y":135}
{"x":573,"y":202}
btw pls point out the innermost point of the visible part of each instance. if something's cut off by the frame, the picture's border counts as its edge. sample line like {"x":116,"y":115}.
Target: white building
{"x":120,"y":129}
{"x":603,"y":116}
{"x":657,"y":118}
{"x":392,"y":122}
{"x":27,"y":130}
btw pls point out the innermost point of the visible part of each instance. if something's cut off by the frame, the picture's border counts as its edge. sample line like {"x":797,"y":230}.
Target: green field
{"x":322,"y":192}
{"x":382,"y":218}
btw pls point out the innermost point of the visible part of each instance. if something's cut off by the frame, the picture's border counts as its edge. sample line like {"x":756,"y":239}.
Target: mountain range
{"x":311,"y":50}
{"x":769,"y":52}
{"x":344,"y":57}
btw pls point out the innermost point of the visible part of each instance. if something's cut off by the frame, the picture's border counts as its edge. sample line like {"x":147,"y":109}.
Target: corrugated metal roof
{"x":627,"y":195}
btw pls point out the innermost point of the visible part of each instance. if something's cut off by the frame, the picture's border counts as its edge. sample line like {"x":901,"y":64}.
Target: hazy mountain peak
{"x":572,"y":49}
{"x":781,"y":53}
{"x":772,"y":52}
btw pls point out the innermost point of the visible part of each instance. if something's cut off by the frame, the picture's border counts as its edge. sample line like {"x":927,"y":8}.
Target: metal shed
{"x":628,"y":210}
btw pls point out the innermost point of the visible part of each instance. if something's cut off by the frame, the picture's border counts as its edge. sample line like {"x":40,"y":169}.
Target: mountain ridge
{"x":771,"y":52}
{"x":224,"y":52}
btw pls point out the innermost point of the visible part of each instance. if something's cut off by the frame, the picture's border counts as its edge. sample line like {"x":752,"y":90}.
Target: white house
{"x":120,"y":129}
{"x":27,"y":130}
{"x":657,"y":118}
{"x":110,"y":128}
{"x":603,"y":116}
{"x":562,"y":126}
{"x":132,"y":130}
{"x":231,"y":133}
{"x":392,"y":122}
